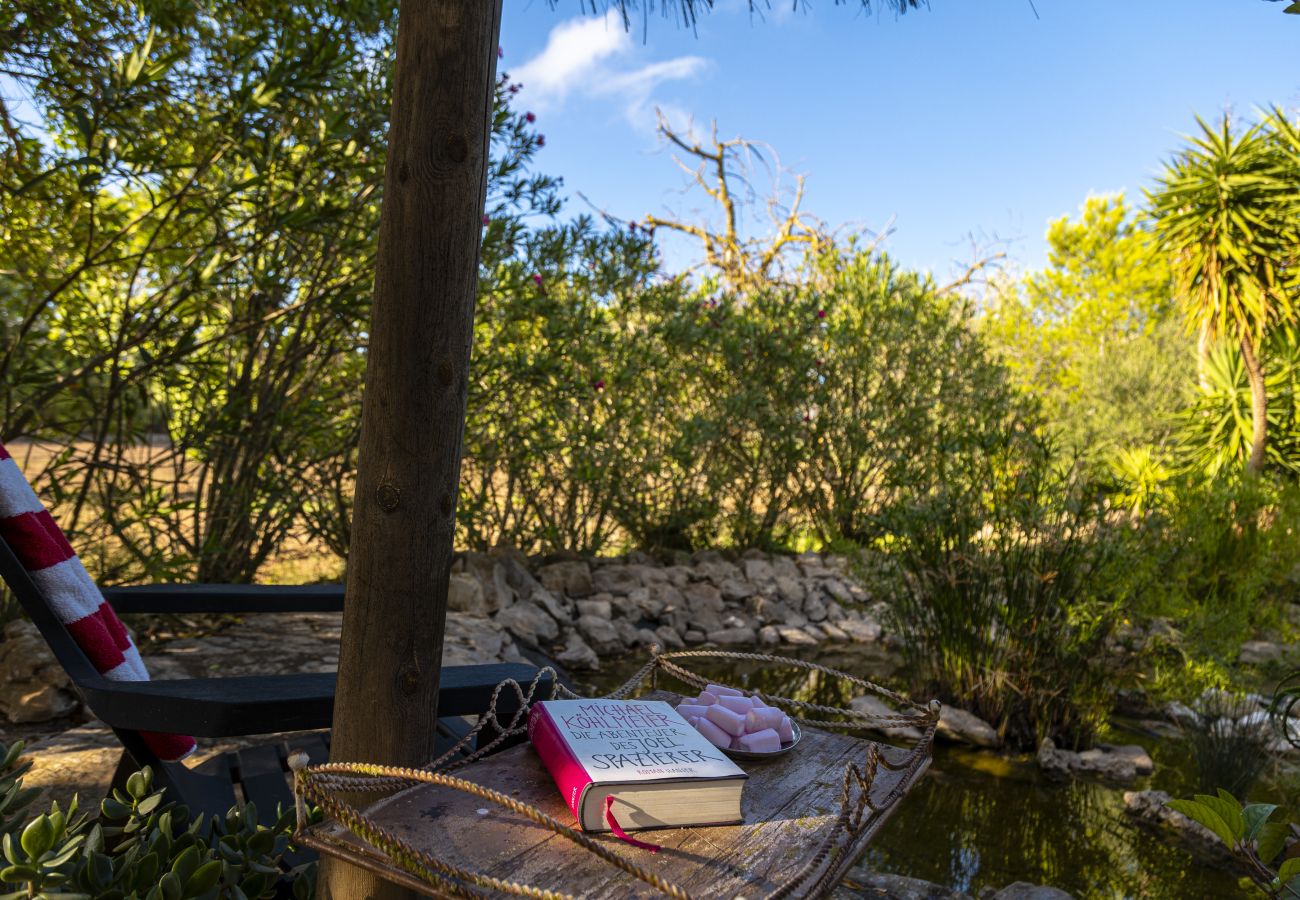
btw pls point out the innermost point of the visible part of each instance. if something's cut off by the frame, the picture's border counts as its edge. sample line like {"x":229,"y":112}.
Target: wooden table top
{"x":788,"y":804}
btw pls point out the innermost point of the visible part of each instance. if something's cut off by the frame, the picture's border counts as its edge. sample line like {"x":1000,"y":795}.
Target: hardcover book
{"x":633,"y":764}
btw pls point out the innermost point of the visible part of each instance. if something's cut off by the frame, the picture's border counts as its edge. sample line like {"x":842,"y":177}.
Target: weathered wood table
{"x":805,"y":813}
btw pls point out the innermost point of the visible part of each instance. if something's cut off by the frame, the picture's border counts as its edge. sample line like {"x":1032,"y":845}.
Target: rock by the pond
{"x":601,"y":609}
{"x":465,"y":594}
{"x":871,"y":705}
{"x":796,"y":637}
{"x":33,"y":686}
{"x":967,"y":728}
{"x":1151,"y":808}
{"x":599,"y":633}
{"x":860,"y":883}
{"x":1263,"y":653}
{"x":1023,"y":890}
{"x":576,"y":654}
{"x":768,"y":635}
{"x":862,"y":631}
{"x":528,"y":623}
{"x":572,"y":578}
{"x":730,"y":636}
{"x":1116,"y":763}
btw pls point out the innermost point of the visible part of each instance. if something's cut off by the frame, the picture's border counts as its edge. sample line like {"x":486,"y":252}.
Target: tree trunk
{"x":413,"y":413}
{"x":1258,"y":407}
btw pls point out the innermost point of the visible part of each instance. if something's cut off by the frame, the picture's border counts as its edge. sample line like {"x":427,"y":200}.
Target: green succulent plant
{"x":141,"y":847}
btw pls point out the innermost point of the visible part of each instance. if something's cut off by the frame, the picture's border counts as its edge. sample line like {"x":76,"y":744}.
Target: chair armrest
{"x":267,"y":704}
{"x":225,"y":598}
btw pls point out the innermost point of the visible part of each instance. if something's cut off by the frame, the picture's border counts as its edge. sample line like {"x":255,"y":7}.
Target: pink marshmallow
{"x":706,"y":698}
{"x":686,"y":710}
{"x":757,"y":720}
{"x":739,"y":705}
{"x":765,"y":741}
{"x":732,"y":723}
{"x":719,"y":690}
{"x":692,"y":720}
{"x":735,"y":743}
{"x":712,"y":733}
{"x":785,"y":730}
{"x":757,"y":703}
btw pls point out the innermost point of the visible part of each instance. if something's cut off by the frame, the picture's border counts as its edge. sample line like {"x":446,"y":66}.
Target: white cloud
{"x":590,"y":57}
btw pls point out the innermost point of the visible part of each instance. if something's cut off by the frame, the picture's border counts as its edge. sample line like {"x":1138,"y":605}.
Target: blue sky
{"x":967,"y":119}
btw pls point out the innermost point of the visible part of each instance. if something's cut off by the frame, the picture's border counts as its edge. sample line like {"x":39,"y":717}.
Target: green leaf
{"x":38,"y":837}
{"x":1290,"y":869}
{"x":1294,"y":8}
{"x":205,"y":877}
{"x":1204,"y":815}
{"x":185,"y":864}
{"x":1255,"y":815}
{"x":19,"y":874}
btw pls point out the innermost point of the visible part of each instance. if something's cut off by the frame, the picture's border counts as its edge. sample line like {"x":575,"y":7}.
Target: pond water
{"x":982,"y":819}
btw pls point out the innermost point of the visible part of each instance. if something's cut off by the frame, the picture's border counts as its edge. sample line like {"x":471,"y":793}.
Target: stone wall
{"x":580,"y":610}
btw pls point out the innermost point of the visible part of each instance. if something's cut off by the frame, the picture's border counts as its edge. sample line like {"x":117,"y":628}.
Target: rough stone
{"x":703,"y":597}
{"x":694,"y":636}
{"x":867,"y":885}
{"x":790,"y":590}
{"x":33,"y":686}
{"x":796,"y":637}
{"x":730,"y":636}
{"x":529,"y":623}
{"x":860,"y":631}
{"x":600,"y":634}
{"x":1121,"y":764}
{"x":717,"y":571}
{"x":601,"y":609}
{"x":759,"y":571}
{"x":619,"y":580}
{"x":734,"y":590}
{"x":1023,"y":890}
{"x":832,"y":631}
{"x":491,"y":575}
{"x":576,"y":654}
{"x":661,"y":596}
{"x":785,"y":567}
{"x":837,"y":590}
{"x":572,"y":578}
{"x":1263,"y":653}
{"x":669,"y":639}
{"x":465,"y":594}
{"x":1151,"y":808}
{"x":768,"y":636}
{"x":678,"y":576}
{"x":835,"y":612}
{"x":814,"y":608}
{"x":561,"y":610}
{"x":967,"y":728}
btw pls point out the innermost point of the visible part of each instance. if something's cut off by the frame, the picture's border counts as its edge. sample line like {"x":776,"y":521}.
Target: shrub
{"x":1005,"y":581}
{"x":141,"y":848}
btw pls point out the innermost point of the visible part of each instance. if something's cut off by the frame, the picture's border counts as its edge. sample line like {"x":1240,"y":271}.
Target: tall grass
{"x":1004,"y":588}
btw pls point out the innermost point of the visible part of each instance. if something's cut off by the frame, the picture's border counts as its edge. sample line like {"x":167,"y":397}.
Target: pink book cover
{"x":585,"y":742}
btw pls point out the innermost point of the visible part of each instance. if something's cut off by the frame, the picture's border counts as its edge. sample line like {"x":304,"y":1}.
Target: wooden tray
{"x":789,"y":803}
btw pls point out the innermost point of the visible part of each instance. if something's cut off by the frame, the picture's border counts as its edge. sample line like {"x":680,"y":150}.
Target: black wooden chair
{"x":235,"y":706}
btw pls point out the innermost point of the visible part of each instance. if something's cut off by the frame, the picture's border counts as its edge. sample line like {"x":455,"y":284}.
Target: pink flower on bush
{"x":529,"y":117}
{"x":821,"y":313}
{"x":500,"y":52}
{"x":486,"y":220}
{"x":537,"y":279}
{"x":541,"y":140}
{"x":599,"y":384}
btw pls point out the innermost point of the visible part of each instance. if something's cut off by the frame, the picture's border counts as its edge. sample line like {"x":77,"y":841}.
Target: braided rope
{"x":321,"y":782}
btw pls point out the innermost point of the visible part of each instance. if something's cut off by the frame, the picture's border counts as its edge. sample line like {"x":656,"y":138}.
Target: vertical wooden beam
{"x":413,"y":414}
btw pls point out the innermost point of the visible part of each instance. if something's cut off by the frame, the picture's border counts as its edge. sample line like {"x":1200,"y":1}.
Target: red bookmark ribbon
{"x":618,"y":830}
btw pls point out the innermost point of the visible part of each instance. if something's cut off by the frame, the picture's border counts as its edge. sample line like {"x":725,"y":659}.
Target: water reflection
{"x":985,"y":820}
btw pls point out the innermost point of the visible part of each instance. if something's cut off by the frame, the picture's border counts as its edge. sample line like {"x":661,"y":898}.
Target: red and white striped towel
{"x":49,"y":559}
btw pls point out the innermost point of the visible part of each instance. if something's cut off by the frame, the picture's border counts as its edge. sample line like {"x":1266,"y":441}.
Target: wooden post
{"x":413,"y":414}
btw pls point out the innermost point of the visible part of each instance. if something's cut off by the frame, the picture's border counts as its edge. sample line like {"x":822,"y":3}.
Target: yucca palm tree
{"x":1227,"y":210}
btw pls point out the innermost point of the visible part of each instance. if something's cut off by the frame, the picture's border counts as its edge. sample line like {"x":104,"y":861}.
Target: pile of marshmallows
{"x":732,"y":721}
